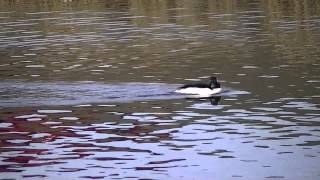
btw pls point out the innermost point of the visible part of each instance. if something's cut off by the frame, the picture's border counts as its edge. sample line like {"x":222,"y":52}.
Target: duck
{"x":201,"y":89}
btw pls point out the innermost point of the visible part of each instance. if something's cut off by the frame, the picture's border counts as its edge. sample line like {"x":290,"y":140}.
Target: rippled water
{"x":86,"y":89}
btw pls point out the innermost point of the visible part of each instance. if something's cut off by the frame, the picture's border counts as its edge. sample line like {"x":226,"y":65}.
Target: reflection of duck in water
{"x":201,"y":90}
{"x":215,"y":100}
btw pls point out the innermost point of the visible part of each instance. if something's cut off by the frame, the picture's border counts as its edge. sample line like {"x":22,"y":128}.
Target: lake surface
{"x":86,"y":89}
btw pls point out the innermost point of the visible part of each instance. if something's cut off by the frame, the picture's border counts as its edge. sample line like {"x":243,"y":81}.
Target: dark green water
{"x":86,"y":89}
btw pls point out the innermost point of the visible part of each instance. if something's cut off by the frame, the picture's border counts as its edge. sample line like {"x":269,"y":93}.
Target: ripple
{"x":249,"y":67}
{"x":53,"y":111}
{"x":35,"y":66}
{"x":69,"y":118}
{"x":30,"y":116}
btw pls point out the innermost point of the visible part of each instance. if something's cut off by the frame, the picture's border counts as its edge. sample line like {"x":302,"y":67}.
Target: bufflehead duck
{"x":203,"y":90}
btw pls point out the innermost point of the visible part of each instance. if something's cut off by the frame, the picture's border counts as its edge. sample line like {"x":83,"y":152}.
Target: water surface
{"x":86,"y":89}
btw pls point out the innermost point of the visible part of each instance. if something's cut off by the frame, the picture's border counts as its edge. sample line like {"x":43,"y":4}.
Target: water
{"x":86,"y":89}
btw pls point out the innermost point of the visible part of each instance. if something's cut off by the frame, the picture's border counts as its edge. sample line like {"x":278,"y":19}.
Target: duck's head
{"x":214,"y":83}
{"x":213,"y":79}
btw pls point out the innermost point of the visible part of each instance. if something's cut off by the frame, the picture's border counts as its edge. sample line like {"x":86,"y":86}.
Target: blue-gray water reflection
{"x":86,"y":89}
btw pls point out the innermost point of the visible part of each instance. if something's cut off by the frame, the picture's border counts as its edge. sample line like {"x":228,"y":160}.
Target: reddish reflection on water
{"x":173,"y":139}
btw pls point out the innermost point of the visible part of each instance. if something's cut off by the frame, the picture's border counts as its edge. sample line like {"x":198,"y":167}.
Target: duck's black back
{"x":199,"y":85}
{"x":213,"y":84}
